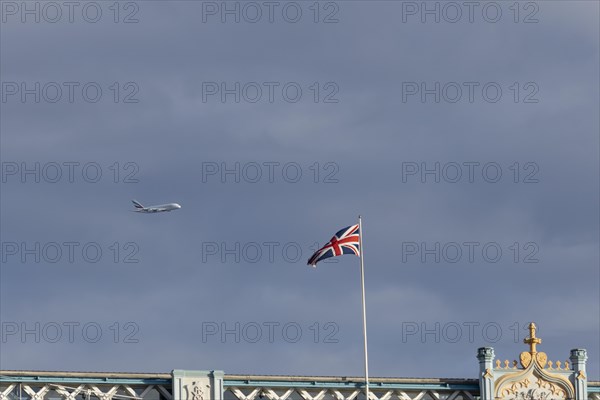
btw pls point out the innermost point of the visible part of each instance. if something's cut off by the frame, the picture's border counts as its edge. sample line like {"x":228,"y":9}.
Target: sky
{"x":465,"y":135}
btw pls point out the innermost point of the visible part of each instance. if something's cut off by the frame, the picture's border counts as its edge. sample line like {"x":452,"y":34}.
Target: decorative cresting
{"x":536,"y":379}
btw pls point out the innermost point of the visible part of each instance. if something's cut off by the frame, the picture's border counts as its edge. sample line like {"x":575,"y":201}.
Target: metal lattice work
{"x":335,"y":394}
{"x":58,"y":391}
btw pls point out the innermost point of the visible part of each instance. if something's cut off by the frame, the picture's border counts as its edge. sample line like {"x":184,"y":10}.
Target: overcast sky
{"x":466,"y":136}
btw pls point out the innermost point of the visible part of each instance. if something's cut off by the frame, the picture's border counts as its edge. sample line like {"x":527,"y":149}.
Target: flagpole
{"x":364,"y":309}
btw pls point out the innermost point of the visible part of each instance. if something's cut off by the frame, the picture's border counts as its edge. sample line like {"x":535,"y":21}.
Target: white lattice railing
{"x":52,"y":391}
{"x":259,"y":393}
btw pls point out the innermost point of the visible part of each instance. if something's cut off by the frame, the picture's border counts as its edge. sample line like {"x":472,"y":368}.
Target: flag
{"x":346,"y":241}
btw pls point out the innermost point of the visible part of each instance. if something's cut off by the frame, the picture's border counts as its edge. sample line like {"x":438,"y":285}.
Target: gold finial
{"x":532,"y":340}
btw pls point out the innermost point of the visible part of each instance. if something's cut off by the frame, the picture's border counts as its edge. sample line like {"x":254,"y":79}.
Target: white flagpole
{"x":364,"y":309}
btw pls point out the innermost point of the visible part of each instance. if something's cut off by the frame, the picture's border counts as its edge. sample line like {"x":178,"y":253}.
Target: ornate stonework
{"x":537,"y":378}
{"x":534,"y":389}
{"x":197,"y":385}
{"x":534,"y":382}
{"x":196,"y":391}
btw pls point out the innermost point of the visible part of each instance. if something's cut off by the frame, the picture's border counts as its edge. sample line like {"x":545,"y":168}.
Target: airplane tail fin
{"x":137,"y":204}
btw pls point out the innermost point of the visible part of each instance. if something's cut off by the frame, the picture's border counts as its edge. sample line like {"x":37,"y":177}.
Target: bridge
{"x":533,"y":377}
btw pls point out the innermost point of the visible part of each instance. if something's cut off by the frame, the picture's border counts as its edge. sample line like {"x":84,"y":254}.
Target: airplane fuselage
{"x":157,"y":208}
{"x":161,"y":208}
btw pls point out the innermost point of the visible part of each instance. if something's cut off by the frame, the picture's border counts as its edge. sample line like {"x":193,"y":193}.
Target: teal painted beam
{"x":80,"y":381}
{"x":244,"y":383}
{"x":351,"y":385}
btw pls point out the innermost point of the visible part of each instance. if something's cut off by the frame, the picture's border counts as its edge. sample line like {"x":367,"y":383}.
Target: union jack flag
{"x":346,"y":241}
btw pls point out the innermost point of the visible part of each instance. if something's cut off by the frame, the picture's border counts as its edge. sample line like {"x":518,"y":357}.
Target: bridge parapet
{"x":37,"y":385}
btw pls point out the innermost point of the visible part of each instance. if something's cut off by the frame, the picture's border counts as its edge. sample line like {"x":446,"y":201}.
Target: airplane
{"x":154,"y":209}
